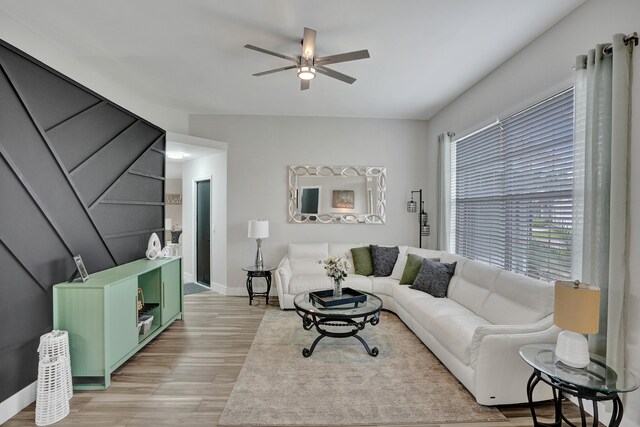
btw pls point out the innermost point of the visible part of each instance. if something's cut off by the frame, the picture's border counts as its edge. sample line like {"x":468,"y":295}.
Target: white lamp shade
{"x":167,"y":224}
{"x":258,"y":229}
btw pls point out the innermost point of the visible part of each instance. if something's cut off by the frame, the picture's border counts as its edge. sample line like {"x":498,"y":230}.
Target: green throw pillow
{"x":362,"y":261}
{"x":411,"y":269}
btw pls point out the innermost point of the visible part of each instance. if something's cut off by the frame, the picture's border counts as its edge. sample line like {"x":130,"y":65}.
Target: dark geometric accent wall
{"x":78,"y":175}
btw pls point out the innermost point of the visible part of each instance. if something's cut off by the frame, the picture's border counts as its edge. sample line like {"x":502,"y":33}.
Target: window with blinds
{"x":511,"y":186}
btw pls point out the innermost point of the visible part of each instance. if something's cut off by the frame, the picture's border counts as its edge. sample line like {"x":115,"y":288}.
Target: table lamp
{"x":167,"y":229}
{"x":258,"y":230}
{"x":577,"y":311}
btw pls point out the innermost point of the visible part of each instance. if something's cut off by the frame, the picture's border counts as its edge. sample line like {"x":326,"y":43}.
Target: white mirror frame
{"x":378,"y":216}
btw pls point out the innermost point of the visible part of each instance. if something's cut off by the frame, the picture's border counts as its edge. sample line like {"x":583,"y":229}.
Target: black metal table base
{"x":561,"y":388}
{"x":310,"y":320}
{"x":252,"y":294}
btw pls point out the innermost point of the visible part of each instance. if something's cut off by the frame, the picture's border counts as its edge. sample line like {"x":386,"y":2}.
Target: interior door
{"x":203,"y":232}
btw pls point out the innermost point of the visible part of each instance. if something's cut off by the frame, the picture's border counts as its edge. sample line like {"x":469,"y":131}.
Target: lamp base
{"x":259,"y":261}
{"x":572,"y":349}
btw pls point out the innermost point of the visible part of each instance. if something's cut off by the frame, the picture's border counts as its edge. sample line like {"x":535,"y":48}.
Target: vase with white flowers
{"x":336,"y":267}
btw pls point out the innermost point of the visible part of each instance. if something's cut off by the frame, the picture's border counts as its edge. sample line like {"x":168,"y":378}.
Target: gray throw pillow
{"x":383,"y":260}
{"x":434,"y":277}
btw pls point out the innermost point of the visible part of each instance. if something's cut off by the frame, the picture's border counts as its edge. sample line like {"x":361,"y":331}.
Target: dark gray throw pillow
{"x":434,"y":277}
{"x":383,"y":260}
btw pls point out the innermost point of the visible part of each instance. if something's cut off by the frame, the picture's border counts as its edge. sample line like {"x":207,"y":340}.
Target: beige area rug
{"x":340,"y":384}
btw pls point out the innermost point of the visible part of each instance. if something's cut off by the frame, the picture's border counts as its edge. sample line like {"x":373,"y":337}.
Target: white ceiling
{"x":189,"y":54}
{"x":174,"y":166}
{"x":191,"y":151}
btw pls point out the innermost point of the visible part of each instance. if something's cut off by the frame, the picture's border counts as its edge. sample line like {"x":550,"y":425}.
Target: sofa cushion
{"x":404,"y":294}
{"x":308,"y":282}
{"x":362,"y":262}
{"x":448,"y":258}
{"x":455,"y":333}
{"x":411,"y":269}
{"x":356,"y":281}
{"x":472,"y":284}
{"x":383,"y":285}
{"x":398,"y":268}
{"x":384,"y":258}
{"x":344,"y":250}
{"x":517,"y":299}
{"x":434,"y":277}
{"x":424,"y":310}
{"x":425,"y":253}
{"x":306,"y":266}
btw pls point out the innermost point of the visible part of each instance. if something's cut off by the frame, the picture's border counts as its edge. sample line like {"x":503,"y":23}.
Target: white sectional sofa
{"x":489,"y":313}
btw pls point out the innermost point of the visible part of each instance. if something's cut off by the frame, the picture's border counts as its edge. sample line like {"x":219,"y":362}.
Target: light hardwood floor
{"x":184,"y":377}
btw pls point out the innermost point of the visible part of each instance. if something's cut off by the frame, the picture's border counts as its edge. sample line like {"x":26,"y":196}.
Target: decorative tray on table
{"x":326,"y":299}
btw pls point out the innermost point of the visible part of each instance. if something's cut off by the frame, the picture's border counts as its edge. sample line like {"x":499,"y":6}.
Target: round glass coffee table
{"x":596,"y":382}
{"x":348,"y":316}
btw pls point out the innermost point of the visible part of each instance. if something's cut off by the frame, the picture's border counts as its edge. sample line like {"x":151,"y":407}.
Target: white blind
{"x":512,"y":186}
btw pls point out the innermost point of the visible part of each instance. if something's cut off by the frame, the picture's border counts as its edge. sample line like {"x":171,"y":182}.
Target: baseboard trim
{"x":231,"y":291}
{"x":16,"y":403}
{"x":218,"y":288}
{"x":187,"y":277}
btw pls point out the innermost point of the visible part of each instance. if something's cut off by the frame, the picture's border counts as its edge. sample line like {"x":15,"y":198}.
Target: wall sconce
{"x":423,"y":217}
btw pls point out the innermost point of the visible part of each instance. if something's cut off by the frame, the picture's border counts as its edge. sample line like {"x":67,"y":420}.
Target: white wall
{"x":261,"y":148}
{"x":212,"y":167}
{"x":60,"y":59}
{"x":541,"y":69}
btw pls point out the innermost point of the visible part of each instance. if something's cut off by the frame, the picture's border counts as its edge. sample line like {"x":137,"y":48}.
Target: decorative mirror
{"x":337,"y":194}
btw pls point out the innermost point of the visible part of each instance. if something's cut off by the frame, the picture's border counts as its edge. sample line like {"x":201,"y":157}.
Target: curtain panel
{"x":444,"y":191}
{"x":600,"y":195}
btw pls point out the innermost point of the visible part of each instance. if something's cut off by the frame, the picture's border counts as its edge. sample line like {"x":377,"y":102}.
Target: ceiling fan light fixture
{"x":306,"y":72}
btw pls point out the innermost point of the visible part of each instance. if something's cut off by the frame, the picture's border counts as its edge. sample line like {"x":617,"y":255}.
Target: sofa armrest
{"x":485,"y":330}
{"x":283,"y":277}
{"x":501,"y":374}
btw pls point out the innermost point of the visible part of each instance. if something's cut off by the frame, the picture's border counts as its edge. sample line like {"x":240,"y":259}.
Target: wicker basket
{"x":52,"y":401}
{"x":56,"y":343}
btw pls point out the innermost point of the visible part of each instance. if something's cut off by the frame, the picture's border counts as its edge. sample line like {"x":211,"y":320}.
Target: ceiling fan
{"x":307,"y":64}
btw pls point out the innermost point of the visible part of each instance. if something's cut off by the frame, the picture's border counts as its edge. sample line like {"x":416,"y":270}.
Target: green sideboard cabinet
{"x":101,"y":315}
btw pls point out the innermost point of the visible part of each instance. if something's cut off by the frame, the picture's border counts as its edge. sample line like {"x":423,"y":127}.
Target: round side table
{"x":253,"y":272}
{"x":596,"y":382}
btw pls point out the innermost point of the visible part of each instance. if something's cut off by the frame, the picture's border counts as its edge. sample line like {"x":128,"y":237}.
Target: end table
{"x":596,"y":382}
{"x":255,"y":271}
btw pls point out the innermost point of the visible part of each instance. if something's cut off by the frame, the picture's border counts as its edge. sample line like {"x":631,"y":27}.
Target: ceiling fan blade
{"x":309,"y":43}
{"x":343,"y":57}
{"x":336,"y":75}
{"x":304,"y":84}
{"x":268,"y":52}
{"x":262,"y":73}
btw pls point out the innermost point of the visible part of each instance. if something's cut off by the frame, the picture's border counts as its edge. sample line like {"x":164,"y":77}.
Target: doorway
{"x":203,"y":232}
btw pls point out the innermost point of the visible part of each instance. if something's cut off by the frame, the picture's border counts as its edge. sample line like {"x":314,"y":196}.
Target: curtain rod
{"x":631,"y":37}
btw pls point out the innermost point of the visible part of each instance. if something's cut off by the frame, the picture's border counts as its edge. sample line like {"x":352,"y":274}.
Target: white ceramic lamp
{"x":258,"y":230}
{"x":167,"y":229}
{"x":577,"y":311}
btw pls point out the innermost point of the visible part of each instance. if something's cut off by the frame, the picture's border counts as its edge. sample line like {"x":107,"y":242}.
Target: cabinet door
{"x":171,"y":290}
{"x":122,"y":319}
